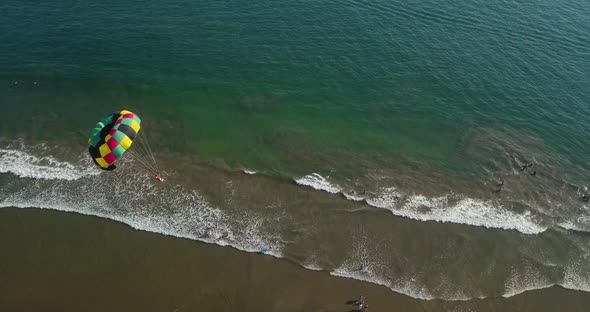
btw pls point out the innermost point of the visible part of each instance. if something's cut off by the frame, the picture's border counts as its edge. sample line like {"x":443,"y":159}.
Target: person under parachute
{"x":113,"y":136}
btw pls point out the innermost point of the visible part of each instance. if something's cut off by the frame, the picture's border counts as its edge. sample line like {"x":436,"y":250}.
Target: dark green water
{"x":265,"y":85}
{"x":424,"y":105}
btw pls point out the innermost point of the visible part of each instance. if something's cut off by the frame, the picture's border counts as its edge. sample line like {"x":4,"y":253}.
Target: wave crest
{"x":25,"y":165}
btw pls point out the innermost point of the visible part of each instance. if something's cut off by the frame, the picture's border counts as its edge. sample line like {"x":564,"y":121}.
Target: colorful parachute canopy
{"x":112,"y":137}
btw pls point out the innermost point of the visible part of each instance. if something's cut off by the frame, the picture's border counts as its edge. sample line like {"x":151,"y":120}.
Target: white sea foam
{"x":312,"y":263}
{"x":387,"y":198}
{"x":577,"y":275}
{"x":469,"y":211}
{"x":175,"y":225}
{"x":571,"y":281}
{"x":522,"y":289}
{"x":319,"y":183}
{"x":353,"y":197}
{"x":313,"y":267}
{"x":581,"y":224}
{"x":26,"y":165}
{"x":408,"y":288}
{"x":463,"y":210}
{"x":367,"y":276}
{"x":360,"y":267}
{"x":126,"y":196}
{"x":525,"y":280}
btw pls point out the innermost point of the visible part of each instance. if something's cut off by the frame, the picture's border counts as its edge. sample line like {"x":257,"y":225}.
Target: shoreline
{"x":202,"y":274}
{"x":322,"y":230}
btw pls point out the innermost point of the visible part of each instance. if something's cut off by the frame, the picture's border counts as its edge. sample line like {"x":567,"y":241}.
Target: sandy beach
{"x":71,"y":262}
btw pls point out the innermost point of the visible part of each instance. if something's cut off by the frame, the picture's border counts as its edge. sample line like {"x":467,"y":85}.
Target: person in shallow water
{"x":500,"y":185}
{"x":159,"y":178}
{"x":585,"y":194}
{"x":525,"y":165}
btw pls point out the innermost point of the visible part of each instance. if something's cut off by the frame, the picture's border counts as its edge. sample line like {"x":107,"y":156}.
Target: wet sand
{"x":56,"y":261}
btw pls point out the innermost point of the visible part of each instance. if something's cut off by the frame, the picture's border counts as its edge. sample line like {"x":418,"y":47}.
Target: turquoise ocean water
{"x":420,"y":108}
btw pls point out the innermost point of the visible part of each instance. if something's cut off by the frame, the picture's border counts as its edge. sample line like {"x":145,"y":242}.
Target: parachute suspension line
{"x":140,"y":159}
{"x":143,"y":161}
{"x":142,"y":152}
{"x":139,"y":151}
{"x":147,"y":143}
{"x":144,"y":141}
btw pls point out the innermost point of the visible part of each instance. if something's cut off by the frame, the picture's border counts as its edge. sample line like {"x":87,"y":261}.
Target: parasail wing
{"x":112,"y":137}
